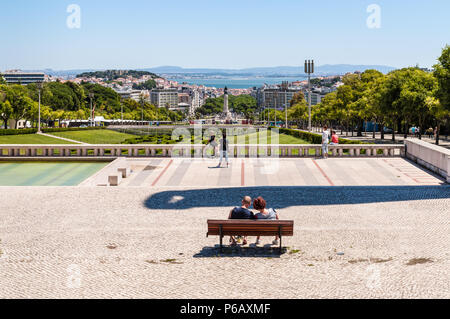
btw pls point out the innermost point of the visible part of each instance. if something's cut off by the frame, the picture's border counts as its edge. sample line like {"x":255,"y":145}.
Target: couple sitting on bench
{"x":243,"y":212}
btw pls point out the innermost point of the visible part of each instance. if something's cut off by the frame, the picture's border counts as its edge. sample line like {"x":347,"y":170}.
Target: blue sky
{"x":220,"y":33}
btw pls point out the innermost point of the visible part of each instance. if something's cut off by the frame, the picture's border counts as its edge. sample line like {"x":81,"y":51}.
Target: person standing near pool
{"x":224,"y":147}
{"x":213,"y":144}
{"x":325,"y":141}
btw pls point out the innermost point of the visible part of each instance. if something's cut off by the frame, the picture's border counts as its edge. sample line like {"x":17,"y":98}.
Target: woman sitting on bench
{"x":270,"y":214}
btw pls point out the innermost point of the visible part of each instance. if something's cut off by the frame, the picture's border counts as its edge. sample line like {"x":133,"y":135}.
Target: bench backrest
{"x":246,"y":227}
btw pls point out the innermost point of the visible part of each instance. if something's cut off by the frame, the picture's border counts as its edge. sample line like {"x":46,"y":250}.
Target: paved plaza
{"x":364,"y":228}
{"x":166,"y":172}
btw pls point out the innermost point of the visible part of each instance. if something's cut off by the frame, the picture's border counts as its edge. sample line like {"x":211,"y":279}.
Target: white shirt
{"x":325,"y":137}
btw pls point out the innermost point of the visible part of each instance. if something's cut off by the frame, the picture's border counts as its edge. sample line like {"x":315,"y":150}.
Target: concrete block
{"x":125,"y":171}
{"x":114,"y":180}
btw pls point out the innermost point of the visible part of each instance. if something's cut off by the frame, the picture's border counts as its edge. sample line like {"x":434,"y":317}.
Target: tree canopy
{"x":147,"y":85}
{"x":69,"y":101}
{"x":402,"y":98}
{"x":112,"y":75}
{"x":242,"y":104}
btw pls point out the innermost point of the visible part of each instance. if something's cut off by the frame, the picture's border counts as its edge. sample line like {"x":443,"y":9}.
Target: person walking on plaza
{"x":325,"y":141}
{"x":224,"y":147}
{"x":213,"y":143}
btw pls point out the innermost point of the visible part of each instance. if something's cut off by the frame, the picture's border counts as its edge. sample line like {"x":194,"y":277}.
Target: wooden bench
{"x":248,"y":227}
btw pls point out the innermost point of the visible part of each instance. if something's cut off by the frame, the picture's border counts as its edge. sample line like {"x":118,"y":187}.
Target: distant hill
{"x":336,"y":69}
{"x":345,"y":68}
{"x":279,"y":71}
{"x":115,"y":74}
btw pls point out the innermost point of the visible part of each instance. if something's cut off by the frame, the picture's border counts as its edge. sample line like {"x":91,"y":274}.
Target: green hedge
{"x":157,"y":139}
{"x":70,"y":129}
{"x":309,"y":137}
{"x":45,"y":130}
{"x":18,"y":132}
{"x":313,"y":138}
{"x":151,"y":139}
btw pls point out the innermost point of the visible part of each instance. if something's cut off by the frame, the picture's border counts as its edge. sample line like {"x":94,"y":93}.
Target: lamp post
{"x":309,"y":69}
{"x":275,"y":107}
{"x":91,"y":96}
{"x":264,"y":115}
{"x":39,"y":87}
{"x":121,"y":111}
{"x":142,"y":98}
{"x":285,"y":108}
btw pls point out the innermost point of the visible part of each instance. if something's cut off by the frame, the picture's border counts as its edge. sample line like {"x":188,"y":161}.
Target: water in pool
{"x":47,"y":173}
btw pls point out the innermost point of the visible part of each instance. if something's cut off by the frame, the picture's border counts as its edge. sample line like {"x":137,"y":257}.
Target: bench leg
{"x":221,"y":239}
{"x":280,"y":236}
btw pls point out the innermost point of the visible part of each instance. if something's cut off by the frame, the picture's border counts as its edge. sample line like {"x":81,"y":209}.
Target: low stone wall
{"x":433,"y":157}
{"x":188,"y":150}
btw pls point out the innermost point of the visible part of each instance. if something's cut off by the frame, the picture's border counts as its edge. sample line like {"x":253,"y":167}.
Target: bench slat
{"x":246,"y":227}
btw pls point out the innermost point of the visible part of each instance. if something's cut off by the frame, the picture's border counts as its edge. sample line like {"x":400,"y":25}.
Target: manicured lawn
{"x":263,"y":138}
{"x":30,"y":139}
{"x":96,"y":136}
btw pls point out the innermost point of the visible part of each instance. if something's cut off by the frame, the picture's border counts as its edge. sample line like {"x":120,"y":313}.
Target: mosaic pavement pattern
{"x":146,"y":239}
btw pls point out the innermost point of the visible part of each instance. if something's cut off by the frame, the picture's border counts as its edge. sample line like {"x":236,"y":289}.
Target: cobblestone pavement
{"x":133,"y":242}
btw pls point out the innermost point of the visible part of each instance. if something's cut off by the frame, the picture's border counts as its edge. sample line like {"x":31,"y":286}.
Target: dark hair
{"x":259,"y":203}
{"x":325,"y":127}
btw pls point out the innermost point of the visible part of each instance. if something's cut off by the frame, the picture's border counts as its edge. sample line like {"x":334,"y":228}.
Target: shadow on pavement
{"x":288,"y":196}
{"x":240,"y":252}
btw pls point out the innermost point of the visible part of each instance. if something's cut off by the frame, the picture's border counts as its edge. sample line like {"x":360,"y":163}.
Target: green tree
{"x":442,"y":74}
{"x":20,"y":102}
{"x":104,"y":98}
{"x":298,"y":113}
{"x":373,"y":108}
{"x":6,"y":110}
{"x":404,"y":96}
{"x":212,"y":106}
{"x":297,"y":98}
{"x":344,"y":98}
{"x":244,"y":104}
{"x":147,"y":85}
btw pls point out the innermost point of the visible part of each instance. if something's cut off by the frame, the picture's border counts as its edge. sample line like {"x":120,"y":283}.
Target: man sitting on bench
{"x":242,"y":213}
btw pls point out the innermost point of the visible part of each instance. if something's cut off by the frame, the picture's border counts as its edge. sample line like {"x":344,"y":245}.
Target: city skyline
{"x":232,"y":35}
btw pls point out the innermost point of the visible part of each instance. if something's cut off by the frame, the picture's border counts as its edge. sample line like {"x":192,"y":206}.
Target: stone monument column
{"x":225,"y":102}
{"x":226,"y":111}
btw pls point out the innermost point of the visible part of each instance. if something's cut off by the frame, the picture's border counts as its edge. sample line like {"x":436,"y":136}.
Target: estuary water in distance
{"x":236,"y":82}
